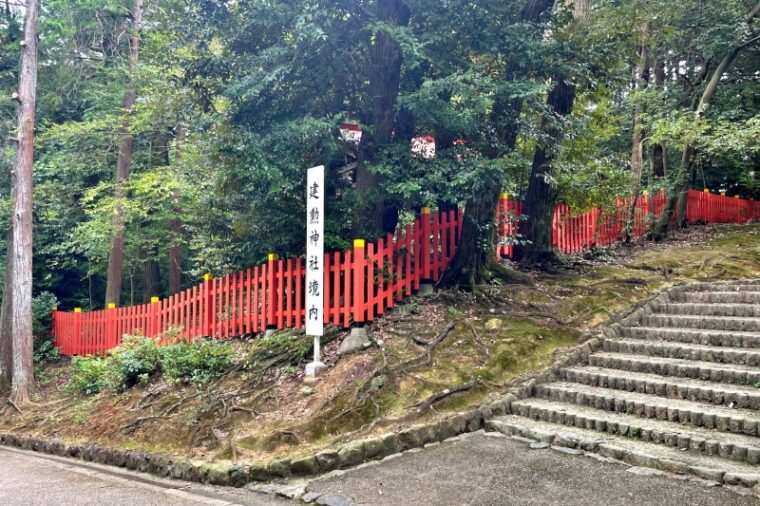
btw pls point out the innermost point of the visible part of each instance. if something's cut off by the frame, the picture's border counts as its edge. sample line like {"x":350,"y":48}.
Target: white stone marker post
{"x":315,"y":255}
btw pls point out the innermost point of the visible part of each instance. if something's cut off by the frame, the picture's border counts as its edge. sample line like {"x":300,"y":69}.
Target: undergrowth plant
{"x":140,"y":360}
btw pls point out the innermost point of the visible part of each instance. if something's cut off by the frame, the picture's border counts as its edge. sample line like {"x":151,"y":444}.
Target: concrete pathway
{"x":484,"y":470}
{"x":478,"y":470}
{"x":32,"y":479}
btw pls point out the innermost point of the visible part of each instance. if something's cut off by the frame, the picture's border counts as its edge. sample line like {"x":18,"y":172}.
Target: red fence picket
{"x":363,"y":283}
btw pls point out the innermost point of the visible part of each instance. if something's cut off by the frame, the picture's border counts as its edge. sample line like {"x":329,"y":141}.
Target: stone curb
{"x":344,"y":456}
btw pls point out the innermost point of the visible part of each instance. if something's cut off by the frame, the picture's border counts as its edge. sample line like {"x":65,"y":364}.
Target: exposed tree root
{"x":424,"y":404}
{"x":130,"y":428}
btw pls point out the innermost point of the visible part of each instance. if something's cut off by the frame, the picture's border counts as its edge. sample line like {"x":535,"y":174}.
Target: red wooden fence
{"x":360,"y":284}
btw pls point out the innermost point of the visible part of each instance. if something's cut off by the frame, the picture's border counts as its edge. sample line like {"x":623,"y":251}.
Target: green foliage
{"x":89,"y":375}
{"x":45,"y":351}
{"x":140,"y":359}
{"x":197,"y":361}
{"x":136,"y":360}
{"x":42,"y":310}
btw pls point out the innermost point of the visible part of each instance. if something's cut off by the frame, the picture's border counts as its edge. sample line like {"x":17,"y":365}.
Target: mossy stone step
{"x":697,"y":414}
{"x":631,"y":451}
{"x":725,"y":355}
{"x":695,"y":439}
{"x":665,"y":386}
{"x":696,"y":336}
{"x":708,"y":371}
{"x":727,"y":323}
{"x":703,"y":309}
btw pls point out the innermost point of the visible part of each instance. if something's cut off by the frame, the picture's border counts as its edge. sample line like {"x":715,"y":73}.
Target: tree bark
{"x":540,"y":201}
{"x":116,"y":256}
{"x":6,"y":323}
{"x":475,"y":259}
{"x":641,"y":82}
{"x":21,"y":293}
{"x":385,"y":78}
{"x":151,"y":275}
{"x":678,"y":196}
{"x":541,"y":198}
{"x":175,"y":225}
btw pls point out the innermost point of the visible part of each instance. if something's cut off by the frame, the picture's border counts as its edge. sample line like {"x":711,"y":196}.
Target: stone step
{"x":722,"y":297}
{"x":632,"y":451}
{"x":708,"y":371}
{"x":695,"y":336}
{"x":722,"y":287}
{"x":725,"y":355}
{"x":709,"y":416}
{"x":702,"y":309}
{"x":725,"y":323}
{"x":696,"y":439}
{"x":664,"y":386}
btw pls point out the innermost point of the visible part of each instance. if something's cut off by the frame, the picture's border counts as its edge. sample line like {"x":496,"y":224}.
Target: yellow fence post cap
{"x":77,"y":309}
{"x":359,"y":243}
{"x":707,"y":190}
{"x":722,"y":194}
{"x":504,"y":196}
{"x":54,"y":308}
{"x":154,"y":299}
{"x":425,"y":210}
{"x":272,"y":257}
{"x":645,"y":193}
{"x":111,"y":305}
{"x":207,"y":277}
{"x":737,"y":197}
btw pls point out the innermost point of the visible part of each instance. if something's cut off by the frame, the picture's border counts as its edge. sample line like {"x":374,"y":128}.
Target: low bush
{"x":139,"y":359}
{"x":89,"y":375}
{"x":197,"y":361}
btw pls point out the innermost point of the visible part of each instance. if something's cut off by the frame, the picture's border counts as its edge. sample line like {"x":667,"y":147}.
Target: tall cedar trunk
{"x":659,"y":151}
{"x":538,"y":207}
{"x":116,"y":256}
{"x":175,"y":225}
{"x":6,"y":324}
{"x":540,"y":201}
{"x":385,"y":78}
{"x":475,"y":259}
{"x":678,"y":196}
{"x":151,"y":274}
{"x":641,"y":82}
{"x":21,"y":293}
{"x":150,"y":270}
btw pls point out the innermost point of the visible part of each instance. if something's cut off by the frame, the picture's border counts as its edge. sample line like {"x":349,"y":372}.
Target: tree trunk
{"x":641,"y":82}
{"x":21,"y":293}
{"x":6,"y":324}
{"x":385,"y":78}
{"x":151,"y":276}
{"x":678,"y":196}
{"x":116,"y":256}
{"x":541,"y":198}
{"x":659,"y":151}
{"x":175,"y":225}
{"x":475,"y":259}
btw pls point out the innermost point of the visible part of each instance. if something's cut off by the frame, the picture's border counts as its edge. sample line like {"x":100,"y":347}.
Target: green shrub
{"x":89,"y":375}
{"x":42,"y":309}
{"x":45,"y":351}
{"x":197,"y":361}
{"x":135,"y":361}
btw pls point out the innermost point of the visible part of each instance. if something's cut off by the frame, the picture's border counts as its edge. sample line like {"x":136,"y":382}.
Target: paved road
{"x":29,"y":479}
{"x":484,"y":471}
{"x":477,"y":471}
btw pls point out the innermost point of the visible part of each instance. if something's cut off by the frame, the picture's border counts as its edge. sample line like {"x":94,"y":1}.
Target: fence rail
{"x":362,"y":283}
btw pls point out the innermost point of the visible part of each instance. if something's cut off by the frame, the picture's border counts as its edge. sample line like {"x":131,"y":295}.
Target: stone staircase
{"x":672,"y":387}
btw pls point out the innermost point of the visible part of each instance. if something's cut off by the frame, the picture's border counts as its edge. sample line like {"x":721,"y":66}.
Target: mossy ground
{"x":263,"y":411}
